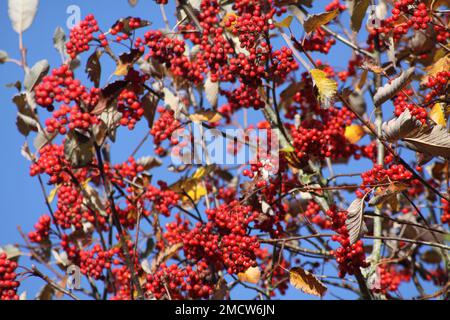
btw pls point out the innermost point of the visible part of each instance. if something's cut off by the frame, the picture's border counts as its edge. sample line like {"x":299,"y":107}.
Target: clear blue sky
{"x":21,"y":201}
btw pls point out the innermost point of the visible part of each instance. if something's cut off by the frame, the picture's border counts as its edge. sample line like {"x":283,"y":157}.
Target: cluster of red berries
{"x":81,"y":35}
{"x":250,"y":27}
{"x":378,"y":175}
{"x":163,"y":198}
{"x":390,"y":278}
{"x":312,"y":211}
{"x":319,"y":41}
{"x":72,"y":117}
{"x":8,"y":282}
{"x":164,"y":127}
{"x":326,"y":138}
{"x":402,"y":102}
{"x":42,"y":230}
{"x":94,"y":262}
{"x":130,"y":107}
{"x":51,"y":162}
{"x":350,"y":257}
{"x":283,"y":63}
{"x":438,"y":84}
{"x":193,"y":282}
{"x":61,"y":86}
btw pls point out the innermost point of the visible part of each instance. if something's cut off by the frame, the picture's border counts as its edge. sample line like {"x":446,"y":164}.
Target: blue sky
{"x":21,"y":201}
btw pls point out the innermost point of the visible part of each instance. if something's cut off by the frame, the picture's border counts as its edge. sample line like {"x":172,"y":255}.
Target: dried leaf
{"x":43,"y":138}
{"x":220,"y":290}
{"x":317,"y":20}
{"x":148,"y":163}
{"x":52,"y":194}
{"x":108,"y":94}
{"x":431,"y":256}
{"x":327,"y":87}
{"x":206,"y":116}
{"x":78,"y":149}
{"x":386,"y":194}
{"x":3,"y":57}
{"x":401,"y":127}
{"x":22,"y":13}
{"x":46,"y":293}
{"x":434,"y":141}
{"x":251,"y":275}
{"x":172,"y":102}
{"x":358,"y":12}
{"x":355,"y":219}
{"x":354,"y":133}
{"x":94,"y":68}
{"x":443,"y":64}
{"x":390,"y":89}
{"x":165,"y":255}
{"x":59,"y":41}
{"x":307,"y":282}
{"x":149,"y":103}
{"x":126,"y":62}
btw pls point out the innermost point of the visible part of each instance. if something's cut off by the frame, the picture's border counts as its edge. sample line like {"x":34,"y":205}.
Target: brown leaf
{"x":126,"y":62}
{"x":165,"y":255}
{"x":358,"y":12}
{"x":149,"y":103}
{"x":317,"y":20}
{"x":401,"y":127}
{"x":307,"y":282}
{"x":94,"y":68}
{"x":108,"y":94}
{"x":434,"y":141}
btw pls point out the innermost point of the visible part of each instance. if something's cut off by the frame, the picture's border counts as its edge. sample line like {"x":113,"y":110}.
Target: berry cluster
{"x":390,"y":278}
{"x":81,"y":35}
{"x":131,"y":108}
{"x":164,"y":127}
{"x":73,"y":117}
{"x":350,"y":257}
{"x":42,"y":230}
{"x":8,"y":282}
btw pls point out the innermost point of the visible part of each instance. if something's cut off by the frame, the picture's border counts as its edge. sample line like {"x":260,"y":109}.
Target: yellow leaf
{"x":52,"y":194}
{"x":285,"y":23}
{"x":354,"y":133}
{"x":327,"y":87}
{"x":437,"y":115}
{"x":251,"y":275}
{"x":122,"y":69}
{"x":206,"y":116}
{"x":307,"y":282}
{"x":190,"y":189}
{"x":317,"y":20}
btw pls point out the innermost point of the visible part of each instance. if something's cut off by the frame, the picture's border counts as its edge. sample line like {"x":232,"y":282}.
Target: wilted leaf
{"x":206,"y":116}
{"x":22,"y":13}
{"x":307,"y":282}
{"x":431,"y":256}
{"x":165,"y":255}
{"x":36,"y":74}
{"x":438,"y":170}
{"x":390,"y":89}
{"x":437,"y":115}
{"x":327,"y":87}
{"x":78,"y":149}
{"x":317,"y":20}
{"x":43,"y":138}
{"x":220,"y":289}
{"x":251,"y":275}
{"x":126,"y":61}
{"x":212,"y":91}
{"x":149,"y":103}
{"x":148,"y":162}
{"x":94,"y":68}
{"x":358,"y":12}
{"x":355,"y":219}
{"x":401,"y":127}
{"x":354,"y":133}
{"x":108,"y":94}
{"x":386,"y":194}
{"x":434,"y":141}
{"x":443,"y":64}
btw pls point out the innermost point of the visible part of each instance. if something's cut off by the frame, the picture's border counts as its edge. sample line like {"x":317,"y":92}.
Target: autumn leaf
{"x":443,"y":64}
{"x":355,"y":219}
{"x":388,"y":194}
{"x":354,"y":133}
{"x":165,"y":255}
{"x":212,"y":91}
{"x":307,"y":282}
{"x":434,"y":141}
{"x":126,"y":61}
{"x":317,"y":20}
{"x":52,"y":194}
{"x":437,"y":115}
{"x":251,"y":275}
{"x":391,"y":88}
{"x":358,"y":12}
{"x":285,"y":23}
{"x":327,"y":87}
{"x":206,"y":116}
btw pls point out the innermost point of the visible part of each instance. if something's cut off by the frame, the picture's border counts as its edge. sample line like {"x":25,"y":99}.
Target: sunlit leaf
{"x":354,"y":133}
{"x":437,"y":115}
{"x":22,"y":13}
{"x":307,"y":282}
{"x":317,"y":20}
{"x":251,"y":275}
{"x":327,"y":87}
